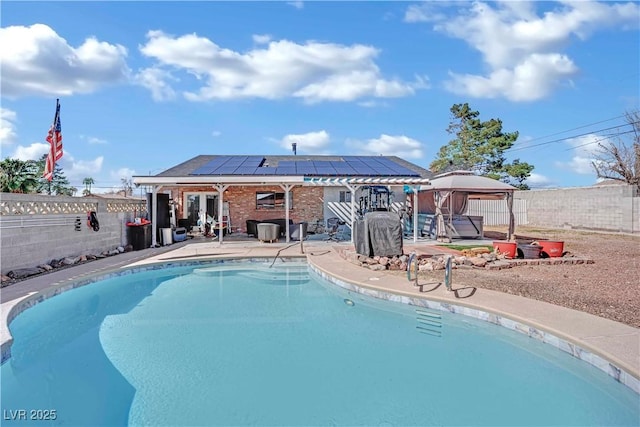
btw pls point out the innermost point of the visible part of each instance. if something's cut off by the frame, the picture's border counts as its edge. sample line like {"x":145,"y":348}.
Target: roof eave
{"x":221,"y":179}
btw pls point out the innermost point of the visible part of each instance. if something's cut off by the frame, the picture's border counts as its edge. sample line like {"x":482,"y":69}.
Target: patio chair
{"x":333,"y":225}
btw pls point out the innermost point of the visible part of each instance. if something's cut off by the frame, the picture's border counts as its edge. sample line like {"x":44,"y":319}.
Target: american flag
{"x":54,"y":138}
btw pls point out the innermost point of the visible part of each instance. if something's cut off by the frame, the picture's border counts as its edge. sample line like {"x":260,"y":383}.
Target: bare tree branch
{"x":619,"y":158}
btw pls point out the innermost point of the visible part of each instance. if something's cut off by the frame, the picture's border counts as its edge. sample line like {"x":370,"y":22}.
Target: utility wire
{"x":571,"y":137}
{"x":598,"y":140}
{"x":576,"y":128}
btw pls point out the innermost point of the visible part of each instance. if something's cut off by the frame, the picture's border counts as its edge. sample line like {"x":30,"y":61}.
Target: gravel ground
{"x":609,"y":288}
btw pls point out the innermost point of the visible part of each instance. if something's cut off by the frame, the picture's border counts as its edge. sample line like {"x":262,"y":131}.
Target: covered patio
{"x":286,"y":183}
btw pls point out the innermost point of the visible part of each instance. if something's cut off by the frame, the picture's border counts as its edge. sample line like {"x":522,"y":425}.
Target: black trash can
{"x":139,"y":236}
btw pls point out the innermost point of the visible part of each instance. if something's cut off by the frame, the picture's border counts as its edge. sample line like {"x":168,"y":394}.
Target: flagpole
{"x":54,"y":138}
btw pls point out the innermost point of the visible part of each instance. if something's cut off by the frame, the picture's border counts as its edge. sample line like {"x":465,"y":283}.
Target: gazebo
{"x":451,"y":191}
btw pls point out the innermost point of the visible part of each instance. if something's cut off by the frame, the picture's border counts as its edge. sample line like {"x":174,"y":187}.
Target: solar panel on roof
{"x":306,"y":169}
{"x":234,"y":162}
{"x":226,"y":170}
{"x":207,"y":168}
{"x":264,"y":171}
{"x":285,"y":171}
{"x":254,"y":160}
{"x":245,"y":170}
{"x":325,"y":169}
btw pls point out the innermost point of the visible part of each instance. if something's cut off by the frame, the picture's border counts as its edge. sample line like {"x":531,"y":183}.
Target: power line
{"x":571,"y":137}
{"x":576,"y":128}
{"x":598,"y":140}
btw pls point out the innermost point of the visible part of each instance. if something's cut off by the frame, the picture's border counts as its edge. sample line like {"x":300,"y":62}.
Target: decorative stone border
{"x":568,"y":347}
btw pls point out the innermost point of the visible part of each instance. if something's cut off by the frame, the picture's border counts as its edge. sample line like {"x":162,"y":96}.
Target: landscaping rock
{"x":21,"y":273}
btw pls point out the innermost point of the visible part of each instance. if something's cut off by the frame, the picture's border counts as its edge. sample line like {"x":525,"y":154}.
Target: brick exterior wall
{"x":307,"y":203}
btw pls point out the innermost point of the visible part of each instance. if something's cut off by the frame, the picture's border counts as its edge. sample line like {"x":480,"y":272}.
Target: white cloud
{"x":93,"y":140}
{"x":8,"y":134}
{"x":126,"y":173}
{"x":156,"y":80}
{"x":37,"y":61}
{"x":261,"y":38}
{"x":523,"y":50}
{"x":389,"y":145}
{"x":539,"y":181}
{"x":216,"y":133}
{"x":77,"y":170}
{"x":426,"y":12}
{"x":307,"y":143}
{"x":313,"y":71}
{"x":31,"y":152}
{"x":583,"y":149}
{"x":297,"y":4}
{"x":533,"y":79}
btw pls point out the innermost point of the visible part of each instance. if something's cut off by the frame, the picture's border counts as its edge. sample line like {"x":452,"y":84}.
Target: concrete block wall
{"x":613,"y":208}
{"x":36,"y":236}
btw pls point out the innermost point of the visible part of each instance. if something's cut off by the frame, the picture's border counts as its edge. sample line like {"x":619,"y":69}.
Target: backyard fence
{"x":610,"y":208}
{"x":35,"y":229}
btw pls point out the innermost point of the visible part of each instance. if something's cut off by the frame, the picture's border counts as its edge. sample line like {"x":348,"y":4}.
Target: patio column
{"x":511,"y":217}
{"x":415,"y":213}
{"x":352,"y":190}
{"x":287,"y":188}
{"x":154,"y":216}
{"x":221,"y":188}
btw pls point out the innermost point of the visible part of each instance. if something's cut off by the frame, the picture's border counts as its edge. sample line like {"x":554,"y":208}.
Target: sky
{"x":144,"y":86}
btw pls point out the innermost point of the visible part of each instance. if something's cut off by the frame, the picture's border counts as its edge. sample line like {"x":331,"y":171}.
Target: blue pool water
{"x":242,"y":344}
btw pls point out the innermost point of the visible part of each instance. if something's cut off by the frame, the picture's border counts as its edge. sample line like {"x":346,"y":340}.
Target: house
{"x":296,"y":188}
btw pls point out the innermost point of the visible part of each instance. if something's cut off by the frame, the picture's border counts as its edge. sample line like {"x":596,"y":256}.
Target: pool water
{"x":245,"y":344}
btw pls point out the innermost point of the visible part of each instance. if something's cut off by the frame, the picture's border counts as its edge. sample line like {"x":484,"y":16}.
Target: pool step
{"x":296,"y":277}
{"x":429,"y":322}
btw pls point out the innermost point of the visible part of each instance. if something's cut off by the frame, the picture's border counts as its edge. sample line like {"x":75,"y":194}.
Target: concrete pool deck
{"x":591,"y":338}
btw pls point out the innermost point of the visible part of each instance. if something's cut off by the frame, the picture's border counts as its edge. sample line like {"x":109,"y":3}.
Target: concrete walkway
{"x":596,"y":337}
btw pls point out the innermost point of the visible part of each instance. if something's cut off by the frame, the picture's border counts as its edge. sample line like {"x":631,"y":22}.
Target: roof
{"x":469,"y":182}
{"x":294,"y":165}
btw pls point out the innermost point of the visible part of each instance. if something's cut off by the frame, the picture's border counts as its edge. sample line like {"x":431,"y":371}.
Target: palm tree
{"x":18,"y":176}
{"x":87,"y":186}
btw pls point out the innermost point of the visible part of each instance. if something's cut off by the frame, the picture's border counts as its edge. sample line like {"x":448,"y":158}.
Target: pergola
{"x":287,"y":183}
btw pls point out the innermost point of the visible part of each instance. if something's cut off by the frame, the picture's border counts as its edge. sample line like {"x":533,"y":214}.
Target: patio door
{"x":195,"y":202}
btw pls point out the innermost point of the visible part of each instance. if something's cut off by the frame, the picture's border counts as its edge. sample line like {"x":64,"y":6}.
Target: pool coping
{"x":610,"y":346}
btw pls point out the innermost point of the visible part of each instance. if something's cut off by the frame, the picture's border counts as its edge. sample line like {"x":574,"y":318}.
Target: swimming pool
{"x":238,"y":343}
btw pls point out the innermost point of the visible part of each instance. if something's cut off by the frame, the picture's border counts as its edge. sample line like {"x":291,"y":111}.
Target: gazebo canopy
{"x":467,"y":182}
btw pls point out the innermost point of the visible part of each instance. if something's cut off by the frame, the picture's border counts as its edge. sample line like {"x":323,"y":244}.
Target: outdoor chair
{"x":333,"y":225}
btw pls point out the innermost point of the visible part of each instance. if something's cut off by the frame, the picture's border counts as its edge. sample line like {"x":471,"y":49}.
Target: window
{"x":271,"y":200}
{"x":345,"y":196}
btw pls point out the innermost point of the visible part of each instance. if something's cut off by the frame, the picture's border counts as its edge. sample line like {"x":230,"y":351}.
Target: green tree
{"x":87,"y":182}
{"x":480,"y":147}
{"x":18,"y":176}
{"x":59,"y":184}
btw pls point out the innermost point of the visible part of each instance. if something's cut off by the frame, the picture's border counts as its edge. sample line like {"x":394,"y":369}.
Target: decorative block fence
{"x":34,"y":228}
